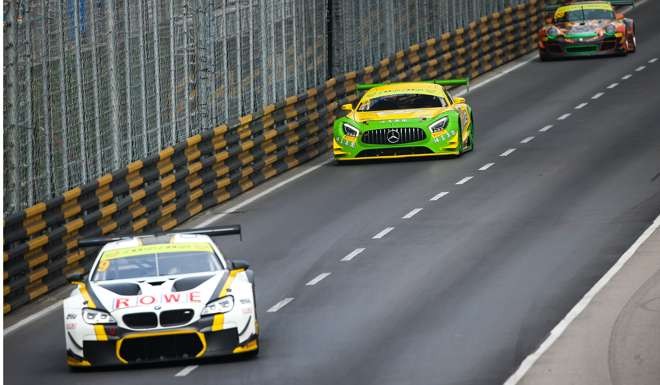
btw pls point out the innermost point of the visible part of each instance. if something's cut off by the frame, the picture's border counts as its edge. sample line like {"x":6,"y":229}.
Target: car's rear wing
{"x":210,"y":231}
{"x":441,"y":82}
{"x":552,"y":5}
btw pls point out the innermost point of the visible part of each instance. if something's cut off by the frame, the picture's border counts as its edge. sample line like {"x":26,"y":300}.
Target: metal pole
{"x":225,"y":56}
{"x":262,"y":15}
{"x":95,"y":86}
{"x":272,"y":50}
{"x":172,"y":77}
{"x":143,"y":90}
{"x":114,"y":98}
{"x":44,"y":94}
{"x":239,"y":67}
{"x":284,"y":73}
{"x":210,"y":26}
{"x":295,"y":48}
{"x":159,"y":134}
{"x":251,"y":55}
{"x":303,"y":21}
{"x":11,"y":87}
{"x":65,"y":142}
{"x":29,"y":123}
{"x":186,"y":69}
{"x":315,"y":53}
{"x":81,"y":122}
{"x":129,"y":101}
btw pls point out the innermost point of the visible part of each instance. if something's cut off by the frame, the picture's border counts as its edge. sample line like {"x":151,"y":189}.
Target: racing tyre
{"x":632,"y":43}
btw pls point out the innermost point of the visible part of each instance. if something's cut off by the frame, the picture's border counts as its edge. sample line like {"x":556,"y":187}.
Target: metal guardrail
{"x":161,"y":192}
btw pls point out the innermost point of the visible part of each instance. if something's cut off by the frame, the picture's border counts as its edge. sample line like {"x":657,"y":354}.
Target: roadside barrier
{"x":159,"y":193}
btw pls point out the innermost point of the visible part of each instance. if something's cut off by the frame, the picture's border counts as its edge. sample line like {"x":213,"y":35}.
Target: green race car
{"x":401,"y":120}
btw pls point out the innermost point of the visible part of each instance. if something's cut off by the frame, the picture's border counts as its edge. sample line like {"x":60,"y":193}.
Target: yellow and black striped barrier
{"x":41,"y":242}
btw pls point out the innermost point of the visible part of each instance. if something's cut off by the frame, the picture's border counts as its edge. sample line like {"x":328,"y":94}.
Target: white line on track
{"x":507,"y":152}
{"x":499,"y":75}
{"x":581,"y":106}
{"x":412,"y":213}
{"x":560,"y":328}
{"x":546,"y":128}
{"x":464,"y":180}
{"x":186,"y":371}
{"x":598,"y":95}
{"x":626,"y":77}
{"x":527,"y":140}
{"x":612,"y":86}
{"x":317,"y":279}
{"x":280,"y":305}
{"x":383,"y":233}
{"x":38,"y":315}
{"x":640,"y":68}
{"x":353,"y":254}
{"x":486,"y":166}
{"x":565,"y":116}
{"x":440,"y":195}
{"x":262,"y":194}
{"x":655,"y":59}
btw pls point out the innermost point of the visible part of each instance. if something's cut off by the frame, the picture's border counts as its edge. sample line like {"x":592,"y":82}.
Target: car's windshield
{"x":155,"y":261}
{"x":582,"y":14}
{"x":403,"y":102}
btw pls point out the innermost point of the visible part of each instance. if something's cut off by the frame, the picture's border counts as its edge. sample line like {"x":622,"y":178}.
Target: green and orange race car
{"x":586,"y":28}
{"x":402,"y":120}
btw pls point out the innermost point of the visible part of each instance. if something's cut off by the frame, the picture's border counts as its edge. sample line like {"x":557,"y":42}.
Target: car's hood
{"x":190,"y":291}
{"x":397,"y":115}
{"x":587,"y":28}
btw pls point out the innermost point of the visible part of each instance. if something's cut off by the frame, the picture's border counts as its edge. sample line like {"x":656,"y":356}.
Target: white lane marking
{"x":563,"y":117}
{"x":412,"y":213}
{"x":185,"y":371}
{"x":353,"y":254}
{"x":486,"y":166}
{"x":560,"y":328}
{"x":438,"y":196}
{"x":581,"y":106}
{"x":464,"y":180}
{"x":655,"y":59}
{"x":279,"y":305}
{"x":262,"y":194}
{"x":612,"y":86}
{"x":499,"y":75}
{"x":317,"y":279}
{"x":626,"y":77}
{"x":38,"y":315}
{"x":598,"y":95}
{"x":508,"y":152}
{"x":383,"y":233}
{"x":640,"y":68}
{"x":546,"y":128}
{"x":527,"y":140}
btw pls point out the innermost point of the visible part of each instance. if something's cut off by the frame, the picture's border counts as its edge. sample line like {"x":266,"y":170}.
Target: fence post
{"x":159,"y":137}
{"x":45,"y":101}
{"x":186,"y":70}
{"x":172,"y":74}
{"x":81,"y":121}
{"x":97,"y":131}
{"x":114,"y":98}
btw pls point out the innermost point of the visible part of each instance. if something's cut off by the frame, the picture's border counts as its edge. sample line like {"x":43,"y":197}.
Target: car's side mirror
{"x":347,"y":107}
{"x":459,"y":100}
{"x":238,"y":264}
{"x":620,"y":16}
{"x":75,"y":277}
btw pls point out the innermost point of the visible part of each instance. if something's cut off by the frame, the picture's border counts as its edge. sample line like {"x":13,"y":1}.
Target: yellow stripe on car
{"x":219,"y":319}
{"x":99,"y":330}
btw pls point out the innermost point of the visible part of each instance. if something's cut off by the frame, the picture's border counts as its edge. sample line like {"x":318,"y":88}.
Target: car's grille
{"x":608,"y":45}
{"x":582,"y":48}
{"x":160,"y":348}
{"x":141,"y":320}
{"x":394,"y":151}
{"x":394,"y":135}
{"x":176,"y":317}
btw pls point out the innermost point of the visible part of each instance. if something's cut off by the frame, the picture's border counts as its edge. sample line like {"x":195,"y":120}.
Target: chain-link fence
{"x":91,"y":85}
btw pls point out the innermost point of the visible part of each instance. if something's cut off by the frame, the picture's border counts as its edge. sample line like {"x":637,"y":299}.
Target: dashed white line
{"x":598,"y":95}
{"x":280,"y":305}
{"x":486,"y":166}
{"x":655,"y":59}
{"x":464,"y":180}
{"x":353,"y":254}
{"x":581,"y":106}
{"x":317,"y":279}
{"x":412,"y":213}
{"x":383,"y":233}
{"x":440,"y":195}
{"x":186,"y":371}
{"x":626,"y":77}
{"x":546,"y":128}
{"x":527,"y":140}
{"x":640,"y":68}
{"x":612,"y":86}
{"x":508,"y":152}
{"x":565,"y":116}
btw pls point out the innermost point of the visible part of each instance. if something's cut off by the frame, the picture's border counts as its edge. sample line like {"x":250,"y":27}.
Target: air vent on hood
{"x":123,"y":288}
{"x":189,"y":283}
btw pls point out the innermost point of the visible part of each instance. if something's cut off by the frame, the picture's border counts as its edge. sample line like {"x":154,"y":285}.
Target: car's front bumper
{"x":350,"y":151}
{"x":559,"y":48}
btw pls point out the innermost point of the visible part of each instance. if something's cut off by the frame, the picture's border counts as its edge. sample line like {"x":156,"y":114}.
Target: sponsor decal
{"x":163,"y":299}
{"x":151,"y":249}
{"x":71,"y":325}
{"x":71,"y":316}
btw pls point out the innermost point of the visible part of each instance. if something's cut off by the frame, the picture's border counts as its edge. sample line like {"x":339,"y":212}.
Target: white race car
{"x":154,"y":298}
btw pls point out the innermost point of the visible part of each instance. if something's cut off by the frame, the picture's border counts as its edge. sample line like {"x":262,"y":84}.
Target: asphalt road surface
{"x":461,"y":291}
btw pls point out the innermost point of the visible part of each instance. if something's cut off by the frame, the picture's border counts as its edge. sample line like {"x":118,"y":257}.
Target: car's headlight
{"x":95,"y":317}
{"x":439,"y":125}
{"x":553,"y":32}
{"x":610,"y":29}
{"x":219,"y":306}
{"x":350,"y":130}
